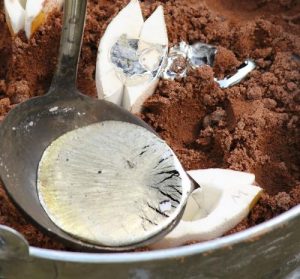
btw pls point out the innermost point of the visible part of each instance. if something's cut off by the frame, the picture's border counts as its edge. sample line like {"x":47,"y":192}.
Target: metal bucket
{"x":269,"y":250}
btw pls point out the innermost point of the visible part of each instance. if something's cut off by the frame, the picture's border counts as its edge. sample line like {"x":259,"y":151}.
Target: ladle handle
{"x":70,"y":43}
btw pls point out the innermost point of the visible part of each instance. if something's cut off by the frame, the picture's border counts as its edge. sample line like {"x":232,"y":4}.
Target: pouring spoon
{"x":32,"y":126}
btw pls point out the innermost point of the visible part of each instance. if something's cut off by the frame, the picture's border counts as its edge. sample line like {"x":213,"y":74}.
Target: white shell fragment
{"x":224,"y":199}
{"x":131,"y":56}
{"x":112,"y":184}
{"x":154,"y":30}
{"x":221,"y":177}
{"x":128,"y":22}
{"x":28,"y":14}
{"x":15,"y":15}
{"x":34,"y":9}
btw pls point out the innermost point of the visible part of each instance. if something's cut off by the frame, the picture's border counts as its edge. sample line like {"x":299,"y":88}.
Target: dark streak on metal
{"x":148,"y":220}
{"x":142,"y":224}
{"x":164,"y":201}
{"x":169,"y":196}
{"x":157,"y":210}
{"x":161,"y":160}
{"x":167,"y":178}
{"x":142,"y":152}
{"x":173,"y":172}
{"x":174,"y":188}
{"x":130,"y":164}
{"x":166,"y":167}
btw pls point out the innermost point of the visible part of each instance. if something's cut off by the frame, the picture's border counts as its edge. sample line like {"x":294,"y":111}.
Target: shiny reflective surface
{"x":271,"y":249}
{"x":33,"y":125}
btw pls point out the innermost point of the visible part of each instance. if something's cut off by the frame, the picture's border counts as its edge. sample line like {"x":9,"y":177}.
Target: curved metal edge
{"x":12,"y":244}
{"x":129,"y":257}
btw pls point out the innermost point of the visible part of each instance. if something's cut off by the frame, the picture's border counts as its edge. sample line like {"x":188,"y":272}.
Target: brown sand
{"x":253,"y":126}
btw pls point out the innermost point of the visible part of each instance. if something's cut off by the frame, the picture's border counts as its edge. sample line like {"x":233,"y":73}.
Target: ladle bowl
{"x":31,"y":126}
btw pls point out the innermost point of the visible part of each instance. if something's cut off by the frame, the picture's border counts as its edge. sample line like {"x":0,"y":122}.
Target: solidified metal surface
{"x":111,"y":183}
{"x":31,"y":126}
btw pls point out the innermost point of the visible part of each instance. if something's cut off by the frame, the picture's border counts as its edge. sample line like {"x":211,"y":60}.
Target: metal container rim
{"x":247,"y":235}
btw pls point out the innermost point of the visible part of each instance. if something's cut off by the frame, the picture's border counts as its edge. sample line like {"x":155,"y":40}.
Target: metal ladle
{"x":31,"y":126}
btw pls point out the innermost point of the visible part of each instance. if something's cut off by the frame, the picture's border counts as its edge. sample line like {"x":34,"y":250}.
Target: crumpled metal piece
{"x":177,"y":63}
{"x":132,"y":65}
{"x":200,"y":54}
{"x":247,"y":67}
{"x":124,"y":55}
{"x":184,"y":57}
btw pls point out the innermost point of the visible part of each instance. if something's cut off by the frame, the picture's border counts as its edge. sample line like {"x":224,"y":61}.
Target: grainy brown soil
{"x":253,"y":126}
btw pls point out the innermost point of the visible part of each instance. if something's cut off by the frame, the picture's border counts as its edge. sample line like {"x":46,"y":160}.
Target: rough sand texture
{"x":253,"y":126}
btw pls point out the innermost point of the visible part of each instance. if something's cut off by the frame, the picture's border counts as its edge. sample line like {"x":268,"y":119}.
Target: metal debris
{"x":135,"y":66}
{"x":201,"y":54}
{"x":247,"y":67}
{"x":184,"y":57}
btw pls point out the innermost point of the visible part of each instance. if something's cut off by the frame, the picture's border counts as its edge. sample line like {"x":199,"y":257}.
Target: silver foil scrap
{"x":184,"y":57}
{"x":134,"y":66}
